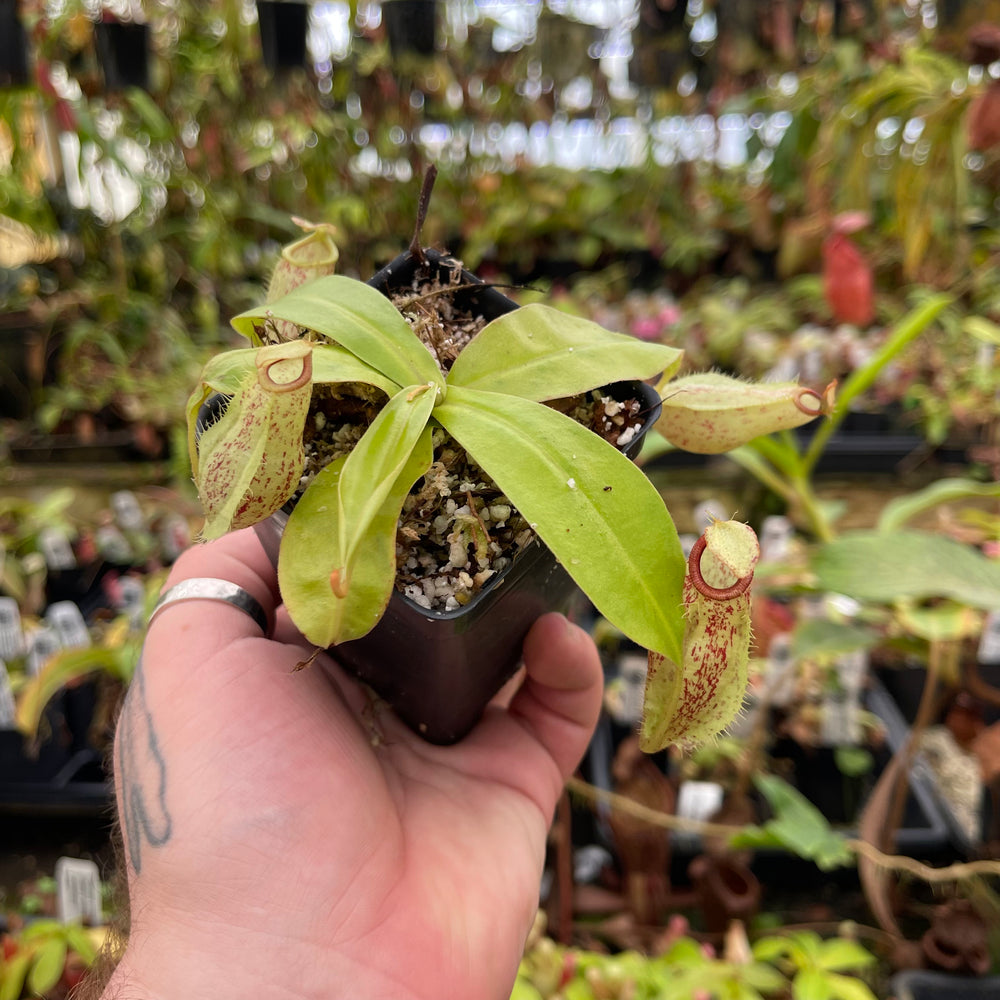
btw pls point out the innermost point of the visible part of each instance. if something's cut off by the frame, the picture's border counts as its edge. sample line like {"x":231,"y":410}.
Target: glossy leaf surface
{"x":589,"y":504}
{"x":310,"y":552}
{"x":357,"y":317}
{"x":539,"y":353}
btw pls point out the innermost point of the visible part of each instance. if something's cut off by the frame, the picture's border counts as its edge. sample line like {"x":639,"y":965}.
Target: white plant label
{"x":56,"y":548}
{"x":66,"y":619}
{"x":776,"y":533}
{"x":989,"y":642}
{"x":632,"y":669}
{"x":11,"y":635}
{"x":128,"y":513}
{"x":7,"y":706}
{"x":78,"y":892}
{"x":43,"y":644}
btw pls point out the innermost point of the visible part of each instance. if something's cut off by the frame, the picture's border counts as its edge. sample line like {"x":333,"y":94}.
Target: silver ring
{"x":210,"y":588}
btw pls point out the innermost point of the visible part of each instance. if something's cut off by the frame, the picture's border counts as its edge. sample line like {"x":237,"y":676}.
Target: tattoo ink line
{"x":142,"y":772}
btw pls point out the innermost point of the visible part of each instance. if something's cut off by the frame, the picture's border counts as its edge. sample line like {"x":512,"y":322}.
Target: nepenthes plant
{"x":518,"y":398}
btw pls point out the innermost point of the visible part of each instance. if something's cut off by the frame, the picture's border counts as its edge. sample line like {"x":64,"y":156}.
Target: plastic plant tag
{"x":779,"y":673}
{"x":250,"y":460}
{"x":989,"y":642}
{"x":43,"y":644}
{"x":11,"y":635}
{"x":78,"y":892}
{"x":632,"y":671}
{"x":8,"y":710}
{"x":131,"y":598}
{"x":128,"y":513}
{"x":55,"y":547}
{"x":690,"y":701}
{"x":700,"y":801}
{"x":67,"y":621}
{"x":113,"y":546}
{"x":710,"y":413}
{"x":776,"y":533}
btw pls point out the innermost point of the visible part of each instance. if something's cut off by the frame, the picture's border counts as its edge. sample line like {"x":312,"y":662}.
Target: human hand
{"x":274,"y":849}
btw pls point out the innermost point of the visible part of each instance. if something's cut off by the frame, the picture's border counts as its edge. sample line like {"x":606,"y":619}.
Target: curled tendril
{"x":823,"y":401}
{"x":705,"y":589}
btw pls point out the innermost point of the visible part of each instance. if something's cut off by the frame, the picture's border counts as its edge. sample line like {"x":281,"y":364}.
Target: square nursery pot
{"x":411,"y":26}
{"x":284,"y":27}
{"x":439,"y":669}
{"x":13,"y":47}
{"x":123,"y":52}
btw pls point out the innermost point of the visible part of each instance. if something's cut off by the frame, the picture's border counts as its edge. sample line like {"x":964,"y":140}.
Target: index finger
{"x":237,"y":558}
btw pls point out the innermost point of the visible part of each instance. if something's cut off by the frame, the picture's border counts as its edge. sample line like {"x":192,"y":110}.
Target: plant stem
{"x":908,"y":329}
{"x":892,"y":862}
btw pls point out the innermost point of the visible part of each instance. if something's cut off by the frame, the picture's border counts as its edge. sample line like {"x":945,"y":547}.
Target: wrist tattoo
{"x":142,"y":775}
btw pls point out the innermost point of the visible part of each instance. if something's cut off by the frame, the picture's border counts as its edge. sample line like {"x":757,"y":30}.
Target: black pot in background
{"x":439,"y":669}
{"x":13,"y":47}
{"x":411,"y":26}
{"x":922,"y":984}
{"x":123,"y":51}
{"x":284,"y":25}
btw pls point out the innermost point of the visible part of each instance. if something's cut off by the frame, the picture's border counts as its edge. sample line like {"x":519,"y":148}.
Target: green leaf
{"x":65,"y":666}
{"x":811,"y":984}
{"x":357,"y":317}
{"x":902,"y":509}
{"x":819,"y":638}
{"x":50,"y":960}
{"x":848,"y":988}
{"x":539,"y":353}
{"x":771,"y":949}
{"x":763,"y":978}
{"x":595,"y":510}
{"x":334,"y":365}
{"x":349,"y":528}
{"x":800,"y":826}
{"x":892,"y":566}
{"x":840,"y":954}
{"x":853,"y":761}
{"x":12,"y":975}
{"x":982,"y":329}
{"x":81,"y":942}
{"x":331,"y":364}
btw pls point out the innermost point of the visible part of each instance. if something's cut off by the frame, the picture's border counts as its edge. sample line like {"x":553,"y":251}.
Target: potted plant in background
{"x":373,"y":428}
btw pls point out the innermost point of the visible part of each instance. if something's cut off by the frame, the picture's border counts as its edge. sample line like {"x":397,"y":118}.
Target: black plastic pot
{"x":283,"y":25}
{"x":63,"y":773}
{"x":411,"y":26}
{"x":13,"y":47}
{"x":439,"y":669}
{"x":123,"y":51}
{"x":922,"y":984}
